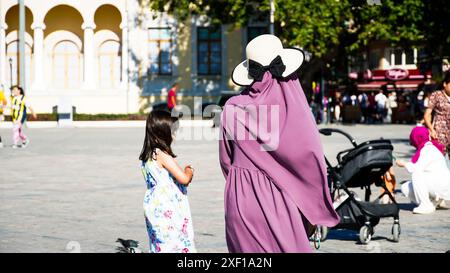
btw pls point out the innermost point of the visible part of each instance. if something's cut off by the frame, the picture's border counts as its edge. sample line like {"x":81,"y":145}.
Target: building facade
{"x":115,"y":56}
{"x":383,"y":66}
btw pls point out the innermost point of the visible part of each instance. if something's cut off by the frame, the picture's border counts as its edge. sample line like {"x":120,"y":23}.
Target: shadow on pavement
{"x":351,"y":235}
{"x":399,"y":140}
{"x":407,"y":206}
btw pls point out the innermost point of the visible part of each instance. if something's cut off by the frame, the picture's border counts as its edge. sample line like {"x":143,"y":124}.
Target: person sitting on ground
{"x":429,"y":171}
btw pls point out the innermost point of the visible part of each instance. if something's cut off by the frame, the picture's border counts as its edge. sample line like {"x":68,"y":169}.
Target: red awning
{"x":376,"y":85}
{"x":408,"y":84}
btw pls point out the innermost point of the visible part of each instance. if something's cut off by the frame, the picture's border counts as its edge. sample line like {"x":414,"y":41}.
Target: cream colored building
{"x":115,"y":56}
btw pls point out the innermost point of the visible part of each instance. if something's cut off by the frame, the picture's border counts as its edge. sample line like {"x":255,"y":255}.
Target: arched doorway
{"x":66,"y":65}
{"x":109,"y":64}
{"x":12,"y":46}
{"x":63,"y":46}
{"x":107,"y":35}
{"x":12,"y":57}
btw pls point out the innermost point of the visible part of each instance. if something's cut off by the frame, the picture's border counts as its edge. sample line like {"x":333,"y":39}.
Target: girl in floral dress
{"x":166,"y":207}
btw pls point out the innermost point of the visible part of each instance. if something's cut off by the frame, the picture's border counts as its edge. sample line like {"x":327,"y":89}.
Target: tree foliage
{"x":320,"y":26}
{"x":332,"y":29}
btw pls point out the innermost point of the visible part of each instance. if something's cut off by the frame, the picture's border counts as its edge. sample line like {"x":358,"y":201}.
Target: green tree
{"x":436,"y":29}
{"x":329,"y":29}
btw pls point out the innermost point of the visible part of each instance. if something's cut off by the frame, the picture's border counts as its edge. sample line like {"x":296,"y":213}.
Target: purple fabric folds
{"x":273,"y":162}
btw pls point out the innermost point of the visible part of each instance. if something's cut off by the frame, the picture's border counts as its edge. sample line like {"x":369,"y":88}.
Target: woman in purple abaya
{"x":271,"y":155}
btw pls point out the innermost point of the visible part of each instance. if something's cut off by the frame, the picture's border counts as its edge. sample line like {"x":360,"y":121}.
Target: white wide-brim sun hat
{"x":263,"y":49}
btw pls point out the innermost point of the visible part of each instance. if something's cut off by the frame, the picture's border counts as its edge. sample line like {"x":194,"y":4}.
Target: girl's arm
{"x":427,"y":118}
{"x":424,"y":159}
{"x":182,"y":176}
{"x":400,"y":163}
{"x":388,"y":176}
{"x":32,"y":112}
{"x":409,"y":166}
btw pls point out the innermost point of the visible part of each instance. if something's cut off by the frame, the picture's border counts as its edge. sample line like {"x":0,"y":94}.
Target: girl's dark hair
{"x":158,"y":134}
{"x":446,"y":79}
{"x":20,"y":89}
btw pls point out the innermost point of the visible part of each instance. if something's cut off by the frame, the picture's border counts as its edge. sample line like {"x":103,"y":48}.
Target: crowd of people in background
{"x":382,"y":106}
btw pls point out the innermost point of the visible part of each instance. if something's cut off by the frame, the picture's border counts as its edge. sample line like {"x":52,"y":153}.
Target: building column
{"x":38,"y":56}
{"x":3,"y":66}
{"x":124,"y":61}
{"x":88,"y":45}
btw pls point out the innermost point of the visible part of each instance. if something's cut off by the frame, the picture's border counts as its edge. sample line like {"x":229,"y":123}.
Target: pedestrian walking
{"x":372,"y":107}
{"x":437,"y":114}
{"x":19,"y":109}
{"x":338,"y":107}
{"x":391,"y":105}
{"x":430,"y":176}
{"x":276,"y":183}
{"x":172,"y":97}
{"x":166,"y":206}
{"x":363,"y":103}
{"x":3,"y":103}
{"x":380,"y":100}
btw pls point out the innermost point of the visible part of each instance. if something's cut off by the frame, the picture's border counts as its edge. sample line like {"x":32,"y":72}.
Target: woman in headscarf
{"x":429,"y":172}
{"x":271,"y":156}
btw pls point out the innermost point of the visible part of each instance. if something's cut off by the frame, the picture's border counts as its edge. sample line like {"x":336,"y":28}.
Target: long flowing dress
{"x":276,"y":178}
{"x":167,"y":213}
{"x":440,"y":105}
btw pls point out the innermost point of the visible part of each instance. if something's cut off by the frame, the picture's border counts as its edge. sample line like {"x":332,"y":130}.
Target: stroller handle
{"x":330,"y":131}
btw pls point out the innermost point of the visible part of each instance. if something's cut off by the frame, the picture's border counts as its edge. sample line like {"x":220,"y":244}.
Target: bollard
{"x":64,"y":112}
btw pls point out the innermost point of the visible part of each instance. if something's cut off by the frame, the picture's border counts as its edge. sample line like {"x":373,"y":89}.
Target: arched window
{"x":66,"y":65}
{"x":109,"y":64}
{"x":12,"y":53}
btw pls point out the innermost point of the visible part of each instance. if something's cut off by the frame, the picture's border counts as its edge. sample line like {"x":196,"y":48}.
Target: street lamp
{"x":21,"y":81}
{"x":10,"y":72}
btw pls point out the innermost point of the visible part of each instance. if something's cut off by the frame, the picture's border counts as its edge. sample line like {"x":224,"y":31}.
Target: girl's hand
{"x":189,"y":170}
{"x":400,"y":163}
{"x":388,"y":176}
{"x":433,"y":134}
{"x":34,"y":116}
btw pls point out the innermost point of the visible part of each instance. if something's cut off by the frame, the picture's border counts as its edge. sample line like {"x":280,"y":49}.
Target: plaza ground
{"x":81,"y":189}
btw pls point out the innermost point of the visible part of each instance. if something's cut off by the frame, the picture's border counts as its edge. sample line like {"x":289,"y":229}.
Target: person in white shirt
{"x":429,"y":172}
{"x":380,"y":100}
{"x":391,"y":103}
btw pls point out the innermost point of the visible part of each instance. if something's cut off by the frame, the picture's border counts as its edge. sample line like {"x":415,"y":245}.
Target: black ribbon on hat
{"x":257,"y":70}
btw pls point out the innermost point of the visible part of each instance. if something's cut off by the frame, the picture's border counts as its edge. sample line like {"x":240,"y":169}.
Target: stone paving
{"x":81,"y":189}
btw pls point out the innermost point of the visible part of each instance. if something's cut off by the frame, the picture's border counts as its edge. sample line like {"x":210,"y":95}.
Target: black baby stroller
{"x":360,"y":167}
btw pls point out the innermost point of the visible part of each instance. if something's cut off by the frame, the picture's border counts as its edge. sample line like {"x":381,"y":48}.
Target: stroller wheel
{"x":396,"y":232}
{"x":365,"y":234}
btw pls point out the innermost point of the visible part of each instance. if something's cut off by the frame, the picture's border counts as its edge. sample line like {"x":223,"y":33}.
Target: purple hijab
{"x":294,"y":162}
{"x":418,"y":138}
